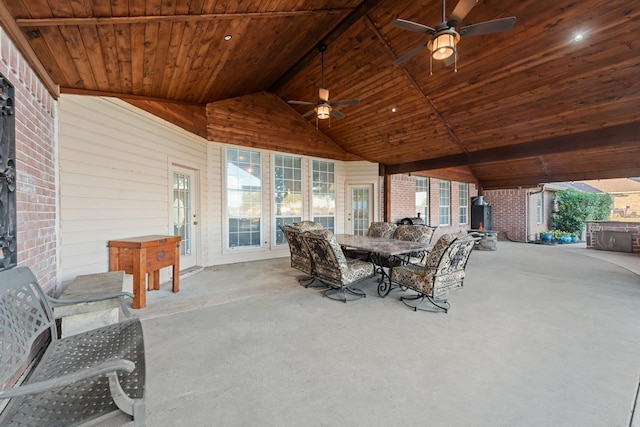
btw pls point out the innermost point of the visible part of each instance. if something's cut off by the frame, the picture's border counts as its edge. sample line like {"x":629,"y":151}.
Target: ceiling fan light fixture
{"x":443,"y":45}
{"x":323,"y":111}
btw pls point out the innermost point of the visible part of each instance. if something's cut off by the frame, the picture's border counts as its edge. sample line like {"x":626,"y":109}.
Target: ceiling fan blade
{"x":412,"y":26}
{"x":488,"y":27}
{"x":308,"y":113}
{"x":409,"y":54}
{"x":337,"y":114}
{"x":345,"y":102}
{"x":460,"y":11}
{"x":301,"y":102}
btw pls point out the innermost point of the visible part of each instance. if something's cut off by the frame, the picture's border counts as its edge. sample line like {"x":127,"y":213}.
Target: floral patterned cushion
{"x":308,"y":225}
{"x":300,"y":256}
{"x":414,"y":233}
{"x":356,"y":270}
{"x":330,"y":263}
{"x":382,"y":229}
{"x":455,"y":256}
{"x":451,"y":253}
{"x":438,"y":249}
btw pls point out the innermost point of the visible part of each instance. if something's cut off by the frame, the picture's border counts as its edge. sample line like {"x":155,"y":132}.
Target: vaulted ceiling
{"x":525,"y":106}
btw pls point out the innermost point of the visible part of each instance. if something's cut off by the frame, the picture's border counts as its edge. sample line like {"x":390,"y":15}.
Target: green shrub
{"x":575,"y":207}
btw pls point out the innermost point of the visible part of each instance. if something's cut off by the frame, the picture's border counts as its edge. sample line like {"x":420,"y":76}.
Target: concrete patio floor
{"x":539,"y":336}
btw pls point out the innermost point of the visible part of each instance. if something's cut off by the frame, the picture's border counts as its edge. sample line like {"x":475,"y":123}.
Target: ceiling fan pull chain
{"x":455,"y":60}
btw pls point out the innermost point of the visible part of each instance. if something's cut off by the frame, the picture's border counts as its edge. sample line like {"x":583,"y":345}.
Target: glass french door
{"x":359,"y":209}
{"x":185,"y":215}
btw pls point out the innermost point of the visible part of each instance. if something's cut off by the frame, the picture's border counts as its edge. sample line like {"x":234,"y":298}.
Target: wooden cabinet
{"x":142,"y":255}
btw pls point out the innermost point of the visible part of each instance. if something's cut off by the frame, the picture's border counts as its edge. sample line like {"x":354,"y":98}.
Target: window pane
{"x":244,"y":197}
{"x":324,"y":193}
{"x":464,"y":202}
{"x":422,"y":198}
{"x":287,"y":192}
{"x":182,"y":211}
{"x":539,"y":215}
{"x":445,"y":202}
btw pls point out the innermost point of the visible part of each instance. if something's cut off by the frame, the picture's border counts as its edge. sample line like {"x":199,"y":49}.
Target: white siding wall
{"x":364,"y":173}
{"x":115,"y":170}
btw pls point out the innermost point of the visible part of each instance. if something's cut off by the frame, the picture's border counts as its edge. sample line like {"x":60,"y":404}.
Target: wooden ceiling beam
{"x":126,"y":96}
{"x":127,"y":20}
{"x":21,"y":42}
{"x":357,"y":13}
{"x":535,"y":180}
{"x":626,"y":135}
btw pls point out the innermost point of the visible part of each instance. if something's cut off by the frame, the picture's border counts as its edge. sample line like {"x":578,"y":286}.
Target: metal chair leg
{"x":442,"y":304}
{"x":330,"y":293}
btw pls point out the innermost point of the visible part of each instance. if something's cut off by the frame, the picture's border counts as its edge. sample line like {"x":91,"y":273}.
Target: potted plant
{"x":546,"y":236}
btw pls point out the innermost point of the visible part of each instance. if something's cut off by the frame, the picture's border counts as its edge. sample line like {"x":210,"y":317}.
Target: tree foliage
{"x":573,"y":208}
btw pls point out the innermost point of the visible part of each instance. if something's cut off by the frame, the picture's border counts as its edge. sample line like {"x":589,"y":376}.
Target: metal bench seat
{"x":83,"y":379}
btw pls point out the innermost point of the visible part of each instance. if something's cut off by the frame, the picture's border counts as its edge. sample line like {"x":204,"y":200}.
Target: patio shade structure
{"x":553,"y":99}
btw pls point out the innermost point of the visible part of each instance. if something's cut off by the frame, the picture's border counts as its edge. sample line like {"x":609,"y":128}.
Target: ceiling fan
{"x":445,"y":38}
{"x":323,"y":108}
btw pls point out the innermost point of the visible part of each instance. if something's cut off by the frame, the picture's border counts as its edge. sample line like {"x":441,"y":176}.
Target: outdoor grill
{"x":411,"y":221}
{"x":480,"y":214}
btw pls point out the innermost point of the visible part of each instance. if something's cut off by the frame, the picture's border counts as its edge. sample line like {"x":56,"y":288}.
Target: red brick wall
{"x":403,"y":203}
{"x":508,"y":213}
{"x":36,"y":148}
{"x":403,"y":197}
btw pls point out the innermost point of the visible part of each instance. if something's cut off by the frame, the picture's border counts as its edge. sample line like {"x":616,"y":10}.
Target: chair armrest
{"x":54,"y":302}
{"x":42,"y":386}
{"x":60,"y":302}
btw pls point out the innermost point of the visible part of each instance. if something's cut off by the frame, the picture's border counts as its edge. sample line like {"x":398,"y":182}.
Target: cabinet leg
{"x":139,"y":285}
{"x":154,"y":280}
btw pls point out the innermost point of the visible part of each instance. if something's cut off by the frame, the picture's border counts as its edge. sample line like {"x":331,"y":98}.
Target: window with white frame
{"x":463,"y":203}
{"x":539,"y":215}
{"x":422,"y":198}
{"x":244,"y":198}
{"x":323,"y":197}
{"x":287,"y":181}
{"x":445,"y":202}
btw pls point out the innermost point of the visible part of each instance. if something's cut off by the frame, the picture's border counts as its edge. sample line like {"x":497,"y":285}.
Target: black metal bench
{"x":84,"y":379}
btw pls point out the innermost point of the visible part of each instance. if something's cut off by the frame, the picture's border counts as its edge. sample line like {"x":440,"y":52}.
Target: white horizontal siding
{"x":115,"y":167}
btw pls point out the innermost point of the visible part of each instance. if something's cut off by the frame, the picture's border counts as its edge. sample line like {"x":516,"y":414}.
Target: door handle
{"x":195,"y":222}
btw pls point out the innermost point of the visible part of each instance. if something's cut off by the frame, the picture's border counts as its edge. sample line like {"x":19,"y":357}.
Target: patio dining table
{"x":380,"y":248}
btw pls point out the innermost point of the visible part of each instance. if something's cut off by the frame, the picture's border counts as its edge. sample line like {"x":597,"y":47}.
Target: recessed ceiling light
{"x":578,"y":37}
{"x":227,"y":37}
{"x":393,"y":109}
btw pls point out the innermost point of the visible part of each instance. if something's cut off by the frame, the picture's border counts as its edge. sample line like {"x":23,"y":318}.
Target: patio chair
{"x":443,"y":271}
{"x":384,"y":230}
{"x":300,"y":257}
{"x":415,"y":233}
{"x":333,"y":268}
{"x":408,"y":233}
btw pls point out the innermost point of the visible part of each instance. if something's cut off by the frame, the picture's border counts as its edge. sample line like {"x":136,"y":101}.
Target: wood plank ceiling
{"x":526,"y":106}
